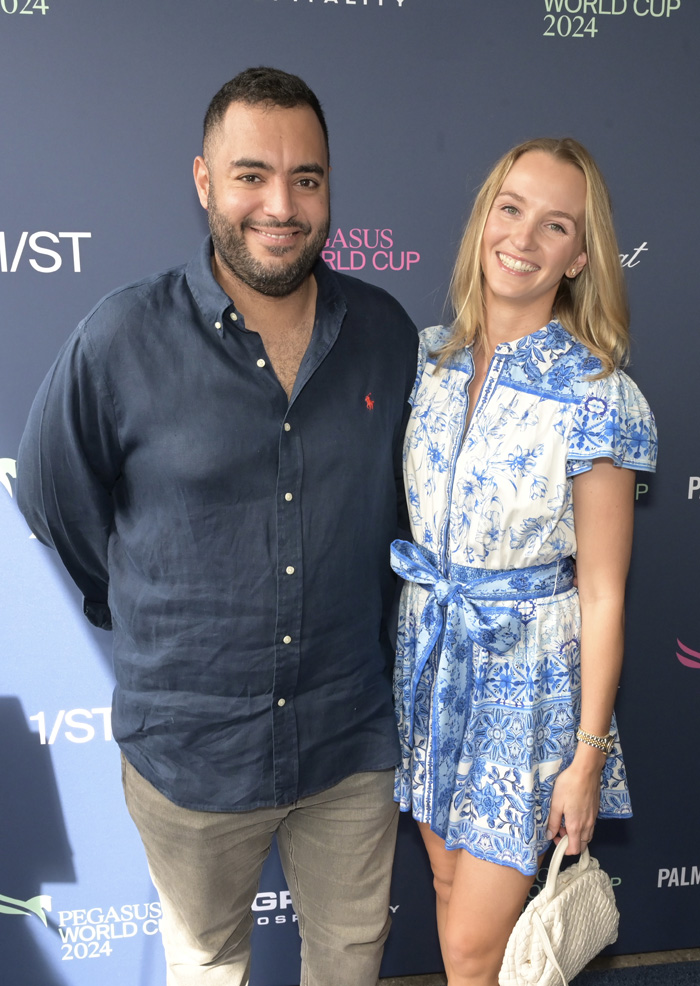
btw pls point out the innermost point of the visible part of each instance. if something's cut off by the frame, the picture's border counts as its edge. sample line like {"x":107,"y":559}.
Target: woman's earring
{"x":573,"y":272}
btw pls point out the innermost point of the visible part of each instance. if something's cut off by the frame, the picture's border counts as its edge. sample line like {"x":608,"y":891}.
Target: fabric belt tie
{"x":452,"y":603}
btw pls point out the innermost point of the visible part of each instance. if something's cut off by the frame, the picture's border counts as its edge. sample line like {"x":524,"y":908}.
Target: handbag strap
{"x":549,"y":892}
{"x":550,"y":888}
{"x":547,"y":945}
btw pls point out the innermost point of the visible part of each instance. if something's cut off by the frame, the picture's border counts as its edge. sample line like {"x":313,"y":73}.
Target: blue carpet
{"x":677,"y":974}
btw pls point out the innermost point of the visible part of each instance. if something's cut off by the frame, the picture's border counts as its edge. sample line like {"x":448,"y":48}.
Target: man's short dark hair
{"x":262,"y":85}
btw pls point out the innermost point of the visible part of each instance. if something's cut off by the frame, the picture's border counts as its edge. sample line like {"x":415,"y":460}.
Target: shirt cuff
{"x":98,"y":614}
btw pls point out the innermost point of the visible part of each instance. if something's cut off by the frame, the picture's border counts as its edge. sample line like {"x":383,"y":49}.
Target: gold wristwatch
{"x":602,"y":743}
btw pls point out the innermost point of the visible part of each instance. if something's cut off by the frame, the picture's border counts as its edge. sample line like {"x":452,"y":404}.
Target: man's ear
{"x":201,"y":180}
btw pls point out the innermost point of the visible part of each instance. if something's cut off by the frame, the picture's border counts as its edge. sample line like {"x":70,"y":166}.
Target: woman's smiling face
{"x":534,"y":234}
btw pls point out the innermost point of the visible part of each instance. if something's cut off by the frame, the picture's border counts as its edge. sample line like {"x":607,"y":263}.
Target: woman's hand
{"x":576,"y":800}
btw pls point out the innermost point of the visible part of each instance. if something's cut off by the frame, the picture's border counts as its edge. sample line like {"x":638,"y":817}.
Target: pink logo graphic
{"x":690,"y":658}
{"x":370,"y":407}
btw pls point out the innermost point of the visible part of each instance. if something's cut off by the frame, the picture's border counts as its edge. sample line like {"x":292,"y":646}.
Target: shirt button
{"x":287,"y":639}
{"x":288,"y":496}
{"x":289,"y":569}
{"x":281,"y":702}
{"x":217,"y":325}
{"x":234,"y":317}
{"x":287,"y":426}
{"x":261,"y":362}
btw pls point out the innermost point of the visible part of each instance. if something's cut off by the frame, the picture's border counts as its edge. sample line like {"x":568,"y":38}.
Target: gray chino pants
{"x":336,"y":848}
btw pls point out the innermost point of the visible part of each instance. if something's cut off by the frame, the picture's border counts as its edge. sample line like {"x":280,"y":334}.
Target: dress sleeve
{"x":613,"y":421}
{"x":67,"y":465}
{"x":430,"y":340}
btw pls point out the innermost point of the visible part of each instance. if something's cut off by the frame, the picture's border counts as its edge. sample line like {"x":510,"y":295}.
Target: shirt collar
{"x":331,"y":307}
{"x":219,"y":310}
{"x":330,"y":301}
{"x":213,"y":302}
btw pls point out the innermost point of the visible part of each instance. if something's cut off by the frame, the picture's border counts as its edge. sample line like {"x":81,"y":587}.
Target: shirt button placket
{"x":289,"y":609}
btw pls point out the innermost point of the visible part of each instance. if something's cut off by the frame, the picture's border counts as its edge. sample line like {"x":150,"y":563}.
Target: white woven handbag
{"x":572,"y":919}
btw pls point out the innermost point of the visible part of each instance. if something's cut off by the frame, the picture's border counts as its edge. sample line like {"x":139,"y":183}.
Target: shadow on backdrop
{"x":35,"y":847}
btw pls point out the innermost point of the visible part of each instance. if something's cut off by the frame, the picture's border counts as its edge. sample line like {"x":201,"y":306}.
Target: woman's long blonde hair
{"x":592,"y":306}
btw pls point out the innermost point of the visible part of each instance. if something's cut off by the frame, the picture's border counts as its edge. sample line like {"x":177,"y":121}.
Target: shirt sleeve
{"x":613,"y":421}
{"x":67,"y":465}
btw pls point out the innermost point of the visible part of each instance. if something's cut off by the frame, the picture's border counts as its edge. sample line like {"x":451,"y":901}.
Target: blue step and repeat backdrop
{"x":100,"y":117}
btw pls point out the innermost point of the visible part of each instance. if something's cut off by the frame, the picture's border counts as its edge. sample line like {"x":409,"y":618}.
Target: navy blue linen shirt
{"x":237,"y":542}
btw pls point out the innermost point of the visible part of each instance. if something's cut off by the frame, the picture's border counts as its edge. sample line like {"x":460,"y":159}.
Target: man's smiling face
{"x":264,"y":183}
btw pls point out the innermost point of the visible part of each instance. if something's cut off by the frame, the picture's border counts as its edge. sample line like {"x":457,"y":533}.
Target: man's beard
{"x":275,"y":281}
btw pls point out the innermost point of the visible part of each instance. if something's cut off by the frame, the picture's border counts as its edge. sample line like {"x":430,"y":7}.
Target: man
{"x":216,"y":456}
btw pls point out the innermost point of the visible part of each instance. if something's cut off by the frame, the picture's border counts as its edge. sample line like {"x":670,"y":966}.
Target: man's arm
{"x":68,"y":462}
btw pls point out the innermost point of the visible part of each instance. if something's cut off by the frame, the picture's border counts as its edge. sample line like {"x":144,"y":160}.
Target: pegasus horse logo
{"x":8,"y":470}
{"x":35,"y":905}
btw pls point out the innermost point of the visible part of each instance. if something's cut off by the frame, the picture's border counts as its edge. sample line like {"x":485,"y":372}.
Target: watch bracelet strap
{"x":602,"y":743}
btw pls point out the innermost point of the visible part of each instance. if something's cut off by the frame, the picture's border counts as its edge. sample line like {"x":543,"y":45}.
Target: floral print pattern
{"x":487,"y":727}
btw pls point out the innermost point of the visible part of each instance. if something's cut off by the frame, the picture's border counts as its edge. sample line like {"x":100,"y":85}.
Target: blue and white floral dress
{"x":488,"y":670}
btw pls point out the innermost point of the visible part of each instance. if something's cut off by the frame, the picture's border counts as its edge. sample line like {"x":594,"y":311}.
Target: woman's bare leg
{"x":478,"y":904}
{"x":443,"y":863}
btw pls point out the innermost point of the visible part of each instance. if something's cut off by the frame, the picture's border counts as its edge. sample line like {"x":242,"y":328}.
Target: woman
{"x":520,"y":453}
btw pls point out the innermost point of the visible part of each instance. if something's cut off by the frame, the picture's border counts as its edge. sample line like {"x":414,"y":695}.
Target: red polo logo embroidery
{"x":369,"y":402}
